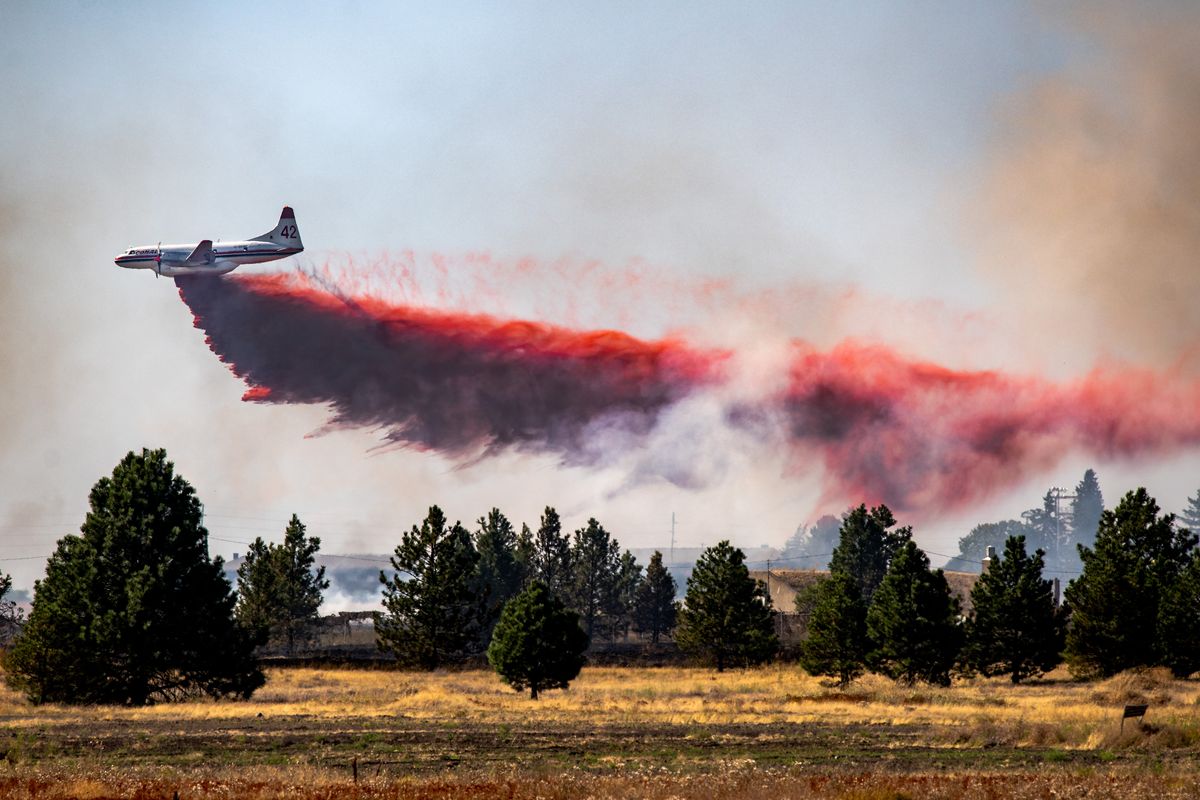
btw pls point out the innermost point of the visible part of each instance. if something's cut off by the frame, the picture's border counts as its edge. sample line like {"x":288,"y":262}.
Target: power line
{"x":959,"y":557}
{"x":374,"y":559}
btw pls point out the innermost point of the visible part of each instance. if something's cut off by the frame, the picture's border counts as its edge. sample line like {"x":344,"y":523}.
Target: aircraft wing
{"x":203,"y":254}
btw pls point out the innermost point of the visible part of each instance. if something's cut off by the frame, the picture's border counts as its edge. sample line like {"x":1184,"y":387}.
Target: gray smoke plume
{"x":1091,"y":205}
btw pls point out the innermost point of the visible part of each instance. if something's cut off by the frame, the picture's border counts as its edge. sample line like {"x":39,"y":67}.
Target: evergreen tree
{"x":655,"y":607}
{"x":596,"y":559}
{"x":619,"y":613}
{"x":1179,"y":622}
{"x":797,"y":544}
{"x":132,"y":610}
{"x":1050,"y":533}
{"x":538,"y":642}
{"x":526,"y":553}
{"x":552,"y":556}
{"x":811,"y":548}
{"x":11,"y":617}
{"x":837,"y":629}
{"x":1015,"y":628}
{"x":726,"y":616}
{"x":280,"y":586}
{"x":866,"y":547}
{"x":1086,"y":509}
{"x":913,"y":621}
{"x":500,"y":573}
{"x":1191,"y":515}
{"x":1115,"y":604}
{"x":257,"y":591}
{"x":431,"y":608}
{"x":972,"y":548}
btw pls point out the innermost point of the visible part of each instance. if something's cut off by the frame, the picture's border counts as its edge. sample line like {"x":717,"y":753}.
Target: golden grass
{"x":1056,"y":711}
{"x":654,"y":733}
{"x":734,"y":783}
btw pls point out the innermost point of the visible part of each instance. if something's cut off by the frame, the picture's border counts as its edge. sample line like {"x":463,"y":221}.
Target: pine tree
{"x":797,"y":544}
{"x":620,"y":607}
{"x":552,"y":556}
{"x":1015,"y":628}
{"x":1049,"y":533}
{"x":836,"y":608}
{"x":526,"y":553}
{"x":811,"y":548}
{"x":500,"y":573}
{"x":1115,"y":603}
{"x":596,"y":559}
{"x":823,"y":537}
{"x":866,"y":547}
{"x":1086,"y":509}
{"x":538,"y":642}
{"x":1179,"y":623}
{"x":11,"y":616}
{"x":655,"y":607}
{"x":913,"y":621}
{"x":1191,"y":515}
{"x":279,"y":586}
{"x":431,"y":608}
{"x":257,"y":591}
{"x":726,"y":616}
{"x":837,"y":629}
{"x":132,"y":610}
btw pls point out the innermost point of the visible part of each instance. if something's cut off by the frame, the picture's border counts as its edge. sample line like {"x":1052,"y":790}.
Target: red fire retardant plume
{"x":457,"y":383}
{"x":921,"y":437}
{"x":886,"y":428}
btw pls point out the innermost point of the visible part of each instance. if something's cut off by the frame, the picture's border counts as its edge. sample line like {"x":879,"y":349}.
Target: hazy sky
{"x":861,"y":168}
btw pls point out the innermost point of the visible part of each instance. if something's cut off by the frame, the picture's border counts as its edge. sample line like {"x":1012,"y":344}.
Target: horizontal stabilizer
{"x":203,"y":254}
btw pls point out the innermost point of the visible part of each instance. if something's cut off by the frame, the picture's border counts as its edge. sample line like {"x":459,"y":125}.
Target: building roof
{"x":785,"y":584}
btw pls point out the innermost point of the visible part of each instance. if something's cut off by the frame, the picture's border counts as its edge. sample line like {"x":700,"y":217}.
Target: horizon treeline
{"x":883,"y":609}
{"x":134,"y":610}
{"x":1065,"y":519}
{"x":448,"y":586}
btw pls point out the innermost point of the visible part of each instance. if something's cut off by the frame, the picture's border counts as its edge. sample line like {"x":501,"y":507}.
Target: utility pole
{"x":775,"y":613}
{"x":1059,"y":494}
{"x":672,"y":557}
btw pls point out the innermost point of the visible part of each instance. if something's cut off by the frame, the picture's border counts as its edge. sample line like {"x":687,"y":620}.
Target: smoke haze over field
{"x":767,"y":204}
{"x":1091,"y":197}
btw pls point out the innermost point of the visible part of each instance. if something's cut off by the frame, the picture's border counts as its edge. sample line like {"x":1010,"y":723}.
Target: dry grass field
{"x":653,"y":733}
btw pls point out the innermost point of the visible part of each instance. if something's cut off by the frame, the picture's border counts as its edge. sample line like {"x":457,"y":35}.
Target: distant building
{"x":785,"y":584}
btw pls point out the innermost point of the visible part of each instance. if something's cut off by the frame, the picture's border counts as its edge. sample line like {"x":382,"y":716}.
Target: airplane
{"x":207,"y":258}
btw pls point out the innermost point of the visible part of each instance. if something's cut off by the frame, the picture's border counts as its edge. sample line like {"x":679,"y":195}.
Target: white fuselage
{"x":170,"y":259}
{"x":206,"y":258}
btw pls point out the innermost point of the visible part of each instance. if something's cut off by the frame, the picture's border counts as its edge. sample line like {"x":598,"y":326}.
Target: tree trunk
{"x":533,"y":691}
